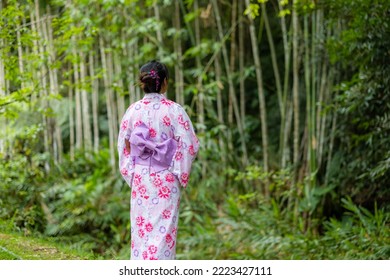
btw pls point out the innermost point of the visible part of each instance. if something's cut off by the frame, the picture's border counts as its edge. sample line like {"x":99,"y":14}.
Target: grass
{"x":16,"y":246}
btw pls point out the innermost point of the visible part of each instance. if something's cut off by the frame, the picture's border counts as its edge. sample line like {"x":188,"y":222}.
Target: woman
{"x":156,"y":146}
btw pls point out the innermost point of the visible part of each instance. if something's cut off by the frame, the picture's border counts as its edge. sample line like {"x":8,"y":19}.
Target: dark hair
{"x":152,"y":75}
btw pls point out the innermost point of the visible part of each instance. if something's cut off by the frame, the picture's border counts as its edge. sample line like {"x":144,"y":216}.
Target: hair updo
{"x":152,"y":76}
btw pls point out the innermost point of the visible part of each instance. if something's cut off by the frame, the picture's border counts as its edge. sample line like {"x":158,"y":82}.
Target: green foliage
{"x":360,"y":234}
{"x":229,"y":211}
{"x":363,"y":133}
{"x":90,"y":207}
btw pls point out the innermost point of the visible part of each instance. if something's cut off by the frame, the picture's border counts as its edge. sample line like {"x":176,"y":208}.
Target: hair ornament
{"x":153,"y":74}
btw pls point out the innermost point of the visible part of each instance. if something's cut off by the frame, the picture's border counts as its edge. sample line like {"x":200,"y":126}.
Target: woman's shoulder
{"x":174,"y":107}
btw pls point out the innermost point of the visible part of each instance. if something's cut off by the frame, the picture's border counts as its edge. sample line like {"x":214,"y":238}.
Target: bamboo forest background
{"x":290,"y":100}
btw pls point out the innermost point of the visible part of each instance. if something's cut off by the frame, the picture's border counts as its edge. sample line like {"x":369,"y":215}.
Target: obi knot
{"x":156,"y":155}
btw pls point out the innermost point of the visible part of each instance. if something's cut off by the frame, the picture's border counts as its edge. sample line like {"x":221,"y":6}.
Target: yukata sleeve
{"x":187,"y":148}
{"x":126,"y":162}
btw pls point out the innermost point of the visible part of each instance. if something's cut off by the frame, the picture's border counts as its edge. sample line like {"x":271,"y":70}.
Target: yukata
{"x":163,"y":146}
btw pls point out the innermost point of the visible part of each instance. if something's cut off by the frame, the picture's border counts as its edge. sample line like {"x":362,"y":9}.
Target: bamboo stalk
{"x":137,"y":66}
{"x":179,"y":83}
{"x":218,"y":74}
{"x":120,"y":88}
{"x":283,"y":144}
{"x":2,"y":90}
{"x":159,"y":34}
{"x":241,"y":62}
{"x":110,"y":116}
{"x":71,"y":122}
{"x":76,"y":76}
{"x":275,"y":66}
{"x":199,"y":77}
{"x":295,"y":87}
{"x":232,"y":94}
{"x":113,"y":102}
{"x":95,"y":101}
{"x":87,"y":134}
{"x":308,"y":89}
{"x":50,"y":120}
{"x":57,"y":128}
{"x":43,"y":80}
{"x":260,"y":90}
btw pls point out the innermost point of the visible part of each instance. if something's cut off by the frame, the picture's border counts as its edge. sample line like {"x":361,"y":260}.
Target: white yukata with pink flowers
{"x":150,"y":124}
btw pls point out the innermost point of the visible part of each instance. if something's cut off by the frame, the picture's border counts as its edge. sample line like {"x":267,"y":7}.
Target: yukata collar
{"x":154,"y":96}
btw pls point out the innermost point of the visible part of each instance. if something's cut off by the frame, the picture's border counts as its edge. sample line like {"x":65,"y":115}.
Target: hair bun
{"x":145,"y":78}
{"x":152,"y":76}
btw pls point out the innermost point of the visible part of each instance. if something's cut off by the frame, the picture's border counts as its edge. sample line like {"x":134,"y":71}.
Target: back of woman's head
{"x":152,"y":76}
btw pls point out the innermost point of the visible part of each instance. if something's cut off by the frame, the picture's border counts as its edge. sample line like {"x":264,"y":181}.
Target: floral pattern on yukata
{"x":155,"y":196}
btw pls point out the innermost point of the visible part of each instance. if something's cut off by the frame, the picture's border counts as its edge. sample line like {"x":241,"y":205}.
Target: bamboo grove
{"x":258,"y":78}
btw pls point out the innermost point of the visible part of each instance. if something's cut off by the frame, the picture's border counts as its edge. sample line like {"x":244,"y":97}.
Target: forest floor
{"x":14,"y":246}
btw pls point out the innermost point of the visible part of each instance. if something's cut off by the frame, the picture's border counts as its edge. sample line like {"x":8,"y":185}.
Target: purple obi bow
{"x":146,"y":152}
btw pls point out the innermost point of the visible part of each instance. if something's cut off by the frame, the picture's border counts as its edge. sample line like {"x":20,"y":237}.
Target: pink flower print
{"x":137,"y":179}
{"x":164,"y":192}
{"x":141,"y":233}
{"x":152,"y":132}
{"x":133,"y":194}
{"x":153,"y":258}
{"x":124,"y":124}
{"x":132,"y":244}
{"x":184,"y":178}
{"x":168,"y":238}
{"x":152,"y":249}
{"x":137,"y":123}
{"x":178,"y":156}
{"x":186,"y":125}
{"x":126,"y":152}
{"x":149,"y":227}
{"x":170,"y":178}
{"x":174,"y":231}
{"x":140,"y":220}
{"x":142,"y":189}
{"x":191,"y":150}
{"x":146,"y":102}
{"x":145,"y":255}
{"x":167,"y":121}
{"x":157,"y":182}
{"x":166,"y":102}
{"x":124,"y":172}
{"x":180,"y":119}
{"x":166,"y":214}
